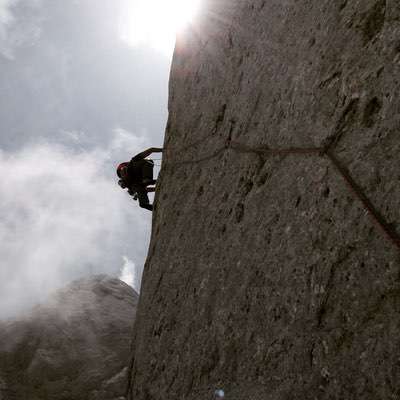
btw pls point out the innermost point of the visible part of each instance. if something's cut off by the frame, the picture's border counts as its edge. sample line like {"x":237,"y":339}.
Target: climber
{"x":137,"y":175}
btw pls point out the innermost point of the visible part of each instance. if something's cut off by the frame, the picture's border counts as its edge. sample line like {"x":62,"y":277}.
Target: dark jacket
{"x":139,"y":169}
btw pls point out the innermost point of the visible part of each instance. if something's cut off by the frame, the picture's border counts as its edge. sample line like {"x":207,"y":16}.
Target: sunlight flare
{"x":156,"y":22}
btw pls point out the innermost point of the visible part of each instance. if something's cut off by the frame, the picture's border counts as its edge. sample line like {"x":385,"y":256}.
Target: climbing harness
{"x":326,"y":151}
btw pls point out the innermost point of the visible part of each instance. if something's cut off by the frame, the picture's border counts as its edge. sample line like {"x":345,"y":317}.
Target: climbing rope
{"x":326,"y":151}
{"x":373,"y":212}
{"x":274,"y":152}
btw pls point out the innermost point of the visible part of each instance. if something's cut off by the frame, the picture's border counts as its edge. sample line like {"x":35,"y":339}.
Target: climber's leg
{"x":143,"y":198}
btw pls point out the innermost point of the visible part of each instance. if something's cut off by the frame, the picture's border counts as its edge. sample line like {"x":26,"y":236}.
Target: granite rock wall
{"x":266,"y":275}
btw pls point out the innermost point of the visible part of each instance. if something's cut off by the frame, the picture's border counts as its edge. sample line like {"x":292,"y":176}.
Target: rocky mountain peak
{"x":73,"y":346}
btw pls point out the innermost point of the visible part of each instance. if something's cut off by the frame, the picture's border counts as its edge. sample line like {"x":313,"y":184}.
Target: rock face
{"x":75,"y":347}
{"x":266,"y":277}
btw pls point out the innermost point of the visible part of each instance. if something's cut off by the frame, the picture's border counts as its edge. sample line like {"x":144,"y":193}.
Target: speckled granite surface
{"x":265,"y":275}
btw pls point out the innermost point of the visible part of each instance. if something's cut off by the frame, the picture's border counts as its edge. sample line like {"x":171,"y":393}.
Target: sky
{"x":83,"y":87}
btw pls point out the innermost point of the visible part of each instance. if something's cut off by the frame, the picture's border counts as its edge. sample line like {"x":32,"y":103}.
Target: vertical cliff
{"x":273,"y":270}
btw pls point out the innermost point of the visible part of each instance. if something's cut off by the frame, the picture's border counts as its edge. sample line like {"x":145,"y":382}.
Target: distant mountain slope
{"x":74,"y":347}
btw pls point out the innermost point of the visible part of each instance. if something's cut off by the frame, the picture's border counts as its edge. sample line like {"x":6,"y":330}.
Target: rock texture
{"x":266,"y":277}
{"x":75,"y":347}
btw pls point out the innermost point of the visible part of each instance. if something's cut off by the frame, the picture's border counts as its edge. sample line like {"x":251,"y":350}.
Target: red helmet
{"x":120,"y":169}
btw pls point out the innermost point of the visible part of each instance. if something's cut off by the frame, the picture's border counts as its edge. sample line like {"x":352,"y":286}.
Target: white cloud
{"x":129,"y":274}
{"x":61,"y":217}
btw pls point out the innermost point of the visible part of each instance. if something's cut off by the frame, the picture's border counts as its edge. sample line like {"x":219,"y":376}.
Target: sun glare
{"x":156,"y":22}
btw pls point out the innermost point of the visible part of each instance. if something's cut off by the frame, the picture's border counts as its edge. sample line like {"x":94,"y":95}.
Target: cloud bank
{"x":62,"y":217}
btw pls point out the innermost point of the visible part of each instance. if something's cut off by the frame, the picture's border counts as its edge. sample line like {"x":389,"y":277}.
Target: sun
{"x":156,"y":22}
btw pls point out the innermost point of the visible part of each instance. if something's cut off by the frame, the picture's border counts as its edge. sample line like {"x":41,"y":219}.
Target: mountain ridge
{"x":73,"y":346}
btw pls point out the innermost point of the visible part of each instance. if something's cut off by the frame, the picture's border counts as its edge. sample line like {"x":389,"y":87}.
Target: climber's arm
{"x":146,"y":153}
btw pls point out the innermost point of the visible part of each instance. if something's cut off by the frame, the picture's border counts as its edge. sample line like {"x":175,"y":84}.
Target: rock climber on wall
{"x":137,"y":175}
